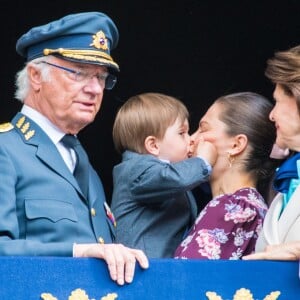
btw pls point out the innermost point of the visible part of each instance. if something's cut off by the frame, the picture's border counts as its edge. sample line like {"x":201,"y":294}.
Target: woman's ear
{"x":240,"y":143}
{"x":152,"y":145}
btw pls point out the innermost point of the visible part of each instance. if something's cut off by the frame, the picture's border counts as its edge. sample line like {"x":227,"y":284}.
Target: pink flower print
{"x":209,"y":242}
{"x":255,"y":201}
{"x":214,"y":202}
{"x":219,"y":235}
{"x":236,"y":255}
{"x":240,"y":236}
{"x":236,"y":214}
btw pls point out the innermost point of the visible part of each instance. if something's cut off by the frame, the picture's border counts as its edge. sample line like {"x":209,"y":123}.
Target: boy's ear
{"x":152,"y":145}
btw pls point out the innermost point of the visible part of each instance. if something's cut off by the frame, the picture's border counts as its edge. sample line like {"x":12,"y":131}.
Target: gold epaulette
{"x":4,"y":127}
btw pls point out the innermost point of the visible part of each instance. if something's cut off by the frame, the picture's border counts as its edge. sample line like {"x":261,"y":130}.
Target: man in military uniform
{"x":52,"y":200}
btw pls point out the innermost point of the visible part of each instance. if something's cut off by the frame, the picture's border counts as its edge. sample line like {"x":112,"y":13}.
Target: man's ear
{"x":240,"y":143}
{"x":152,"y":145}
{"x":34,"y":76}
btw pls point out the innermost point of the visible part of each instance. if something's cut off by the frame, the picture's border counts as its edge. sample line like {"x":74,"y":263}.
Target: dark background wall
{"x":195,"y":50}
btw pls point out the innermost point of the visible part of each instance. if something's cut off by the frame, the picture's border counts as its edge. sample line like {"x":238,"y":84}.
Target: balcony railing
{"x":33,"y":278}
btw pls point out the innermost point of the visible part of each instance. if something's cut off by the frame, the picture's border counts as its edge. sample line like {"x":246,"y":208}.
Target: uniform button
{"x":93,"y":212}
{"x":101,"y":240}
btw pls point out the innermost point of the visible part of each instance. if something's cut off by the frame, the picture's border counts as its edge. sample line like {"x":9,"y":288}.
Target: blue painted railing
{"x":33,"y":278}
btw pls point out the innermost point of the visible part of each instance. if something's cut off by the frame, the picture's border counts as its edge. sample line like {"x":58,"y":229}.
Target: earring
{"x":230,"y":159}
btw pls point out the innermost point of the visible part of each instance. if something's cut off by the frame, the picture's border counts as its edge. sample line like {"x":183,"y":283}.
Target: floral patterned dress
{"x":227,"y":228}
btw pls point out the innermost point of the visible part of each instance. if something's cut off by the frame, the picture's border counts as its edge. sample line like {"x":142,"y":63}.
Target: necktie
{"x":82,"y":163}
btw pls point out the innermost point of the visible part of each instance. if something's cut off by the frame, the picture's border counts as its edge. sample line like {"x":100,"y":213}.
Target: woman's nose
{"x":271,"y":115}
{"x":193,"y":137}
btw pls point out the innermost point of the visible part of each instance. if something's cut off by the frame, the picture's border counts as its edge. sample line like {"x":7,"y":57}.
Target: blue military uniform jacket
{"x":152,"y":201}
{"x":43,"y":211}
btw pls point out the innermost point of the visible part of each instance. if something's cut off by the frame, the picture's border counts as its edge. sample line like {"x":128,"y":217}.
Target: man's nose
{"x":94,"y":85}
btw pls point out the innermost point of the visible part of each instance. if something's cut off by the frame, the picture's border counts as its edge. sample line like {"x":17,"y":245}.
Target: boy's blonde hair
{"x":148,"y":114}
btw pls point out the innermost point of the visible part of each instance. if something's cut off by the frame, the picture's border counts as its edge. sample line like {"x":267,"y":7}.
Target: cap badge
{"x":6,"y":127}
{"x":100,"y":41}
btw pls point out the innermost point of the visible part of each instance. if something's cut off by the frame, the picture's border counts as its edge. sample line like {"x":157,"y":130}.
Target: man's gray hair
{"x":22,"y":80}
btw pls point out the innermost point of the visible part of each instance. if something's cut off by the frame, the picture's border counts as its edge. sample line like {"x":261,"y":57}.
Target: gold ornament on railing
{"x":48,"y":296}
{"x":79,"y":294}
{"x":111,"y":296}
{"x":242,"y":294}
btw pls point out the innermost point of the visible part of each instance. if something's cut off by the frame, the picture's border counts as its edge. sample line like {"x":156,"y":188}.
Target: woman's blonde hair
{"x":284,"y":69}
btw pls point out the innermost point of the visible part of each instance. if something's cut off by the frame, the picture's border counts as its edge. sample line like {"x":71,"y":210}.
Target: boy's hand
{"x":206,"y":150}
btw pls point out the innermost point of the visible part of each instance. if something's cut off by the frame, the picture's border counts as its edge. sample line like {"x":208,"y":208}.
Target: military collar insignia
{"x":100,"y":41}
{"x":25,"y":128}
{"x":6,"y":127}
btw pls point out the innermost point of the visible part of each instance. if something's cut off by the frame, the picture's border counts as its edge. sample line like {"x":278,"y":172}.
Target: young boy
{"x":152,"y":202}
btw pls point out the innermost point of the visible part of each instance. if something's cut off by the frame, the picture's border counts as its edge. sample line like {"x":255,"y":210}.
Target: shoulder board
{"x":4,"y":127}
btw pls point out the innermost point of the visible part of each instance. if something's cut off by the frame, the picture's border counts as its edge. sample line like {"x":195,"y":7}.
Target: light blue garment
{"x":292,"y":187}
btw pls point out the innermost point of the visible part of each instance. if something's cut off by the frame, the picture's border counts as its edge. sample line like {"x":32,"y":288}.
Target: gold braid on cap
{"x":90,"y":55}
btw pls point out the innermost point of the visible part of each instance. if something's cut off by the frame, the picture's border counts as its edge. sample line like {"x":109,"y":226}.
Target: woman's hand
{"x":285,"y":251}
